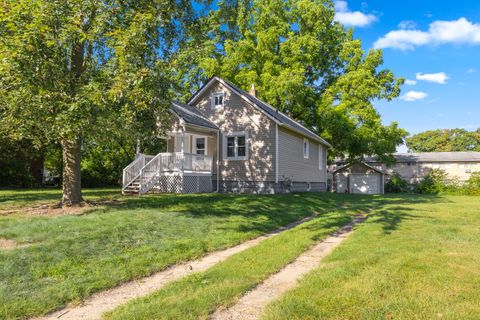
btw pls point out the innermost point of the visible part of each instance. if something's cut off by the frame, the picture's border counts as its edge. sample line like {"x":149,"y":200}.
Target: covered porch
{"x":189,"y":164}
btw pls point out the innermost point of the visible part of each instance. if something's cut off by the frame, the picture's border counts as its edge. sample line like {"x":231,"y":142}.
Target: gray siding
{"x":238,"y":115}
{"x":292,"y":164}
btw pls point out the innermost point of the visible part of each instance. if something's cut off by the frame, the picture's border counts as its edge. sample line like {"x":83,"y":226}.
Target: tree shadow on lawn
{"x":270,"y":211}
{"x":50,"y":194}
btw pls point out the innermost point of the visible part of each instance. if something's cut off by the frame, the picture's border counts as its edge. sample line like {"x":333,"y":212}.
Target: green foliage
{"x":396,"y":184}
{"x":15,"y":159}
{"x":443,"y":140}
{"x":86,"y":70}
{"x":434,"y":182}
{"x":305,"y":64}
{"x":103,"y":162}
{"x":472,"y":186}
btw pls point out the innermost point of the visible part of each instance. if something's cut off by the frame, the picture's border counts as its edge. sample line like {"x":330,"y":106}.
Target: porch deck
{"x":174,"y":172}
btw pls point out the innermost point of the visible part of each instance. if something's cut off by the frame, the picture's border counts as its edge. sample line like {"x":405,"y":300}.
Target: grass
{"x":416,"y":261}
{"x":198,"y":295}
{"x":21,"y":198}
{"x":68,"y":258}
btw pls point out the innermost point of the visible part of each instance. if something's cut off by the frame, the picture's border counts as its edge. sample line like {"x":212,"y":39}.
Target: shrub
{"x":434,"y":182}
{"x":472,"y":186}
{"x":396,"y":184}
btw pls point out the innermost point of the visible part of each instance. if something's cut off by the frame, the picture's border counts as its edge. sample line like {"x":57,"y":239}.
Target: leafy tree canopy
{"x":76,"y":70}
{"x":305,"y":64}
{"x":443,"y":140}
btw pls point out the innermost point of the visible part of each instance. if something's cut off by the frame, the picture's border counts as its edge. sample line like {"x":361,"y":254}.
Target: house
{"x":414,"y":166}
{"x":225,"y":139}
{"x":359,"y":178}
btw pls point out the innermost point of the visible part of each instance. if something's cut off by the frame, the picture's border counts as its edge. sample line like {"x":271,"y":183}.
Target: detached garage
{"x":359,"y":178}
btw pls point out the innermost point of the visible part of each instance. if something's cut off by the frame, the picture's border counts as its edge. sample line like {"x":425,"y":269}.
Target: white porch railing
{"x":149,"y":173}
{"x":131,"y":172}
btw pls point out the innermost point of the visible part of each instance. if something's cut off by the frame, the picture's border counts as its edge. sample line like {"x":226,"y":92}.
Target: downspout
{"x":276,"y":153}
{"x":325,"y":166}
{"x":218,"y":161}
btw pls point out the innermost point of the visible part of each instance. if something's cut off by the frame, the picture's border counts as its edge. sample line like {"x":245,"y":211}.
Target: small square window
{"x":217,"y":100}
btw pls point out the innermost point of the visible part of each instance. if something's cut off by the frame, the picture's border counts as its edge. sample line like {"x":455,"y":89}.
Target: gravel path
{"x":108,"y":300}
{"x":251,"y":305}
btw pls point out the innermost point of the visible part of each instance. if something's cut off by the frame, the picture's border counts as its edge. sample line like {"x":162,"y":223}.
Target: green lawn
{"x":70,"y":257}
{"x":416,"y":257}
{"x":20,"y":198}
{"x":416,"y":261}
{"x":197,"y":296}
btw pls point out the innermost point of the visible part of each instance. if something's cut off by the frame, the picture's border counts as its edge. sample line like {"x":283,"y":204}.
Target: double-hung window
{"x":306,"y":148}
{"x":235,"y":146}
{"x":218,"y":100}
{"x":200,"y":145}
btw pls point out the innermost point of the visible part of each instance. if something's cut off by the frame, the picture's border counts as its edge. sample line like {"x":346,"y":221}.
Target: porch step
{"x":132,"y":189}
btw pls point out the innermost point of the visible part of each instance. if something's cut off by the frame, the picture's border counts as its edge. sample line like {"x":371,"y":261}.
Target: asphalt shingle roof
{"x":431,"y":157}
{"x":438,"y":157}
{"x":276,"y":114}
{"x":191,"y":115}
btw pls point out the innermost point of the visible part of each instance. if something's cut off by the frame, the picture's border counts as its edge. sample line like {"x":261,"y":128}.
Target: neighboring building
{"x":414,"y":166}
{"x":225,"y":139}
{"x":359,"y":178}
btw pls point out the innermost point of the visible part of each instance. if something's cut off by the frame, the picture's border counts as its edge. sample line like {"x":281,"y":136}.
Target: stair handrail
{"x":154,"y":167}
{"x":131,"y":171}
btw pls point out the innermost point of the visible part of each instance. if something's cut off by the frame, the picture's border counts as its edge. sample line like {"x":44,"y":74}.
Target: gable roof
{"x":279,"y":117}
{"x":435,"y":157}
{"x":191,"y":115}
{"x":361,"y":163}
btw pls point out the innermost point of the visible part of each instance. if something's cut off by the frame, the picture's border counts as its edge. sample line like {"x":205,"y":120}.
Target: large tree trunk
{"x":72,"y":187}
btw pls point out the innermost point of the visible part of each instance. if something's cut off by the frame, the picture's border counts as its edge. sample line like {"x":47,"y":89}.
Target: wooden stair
{"x":133,"y":189}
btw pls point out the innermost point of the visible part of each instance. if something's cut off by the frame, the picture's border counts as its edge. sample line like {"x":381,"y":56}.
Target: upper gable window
{"x":218,"y":100}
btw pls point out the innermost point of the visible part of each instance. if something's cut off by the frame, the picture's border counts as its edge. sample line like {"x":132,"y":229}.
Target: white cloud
{"x":402,"y":39}
{"x":352,"y":18}
{"x":414,"y":96}
{"x":407,"y":24}
{"x":471,"y":70}
{"x":410,"y":82}
{"x":439,"y":32}
{"x":439,"y":77}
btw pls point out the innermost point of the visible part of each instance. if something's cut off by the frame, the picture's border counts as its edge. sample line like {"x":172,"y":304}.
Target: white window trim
{"x":216,"y":94}
{"x":306,"y":154}
{"x":194,"y":144}
{"x":320,"y":158}
{"x":225,"y":135}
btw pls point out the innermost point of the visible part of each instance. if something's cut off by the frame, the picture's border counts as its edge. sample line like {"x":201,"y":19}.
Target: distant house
{"x":227,"y":140}
{"x":414,"y":166}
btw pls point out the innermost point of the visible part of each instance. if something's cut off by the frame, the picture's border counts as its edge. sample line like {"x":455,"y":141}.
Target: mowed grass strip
{"x":21,"y":198}
{"x":198,"y":295}
{"x":416,"y":261}
{"x":68,"y":258}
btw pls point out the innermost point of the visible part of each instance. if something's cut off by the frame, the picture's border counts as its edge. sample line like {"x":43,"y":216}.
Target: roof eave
{"x":210,"y":82}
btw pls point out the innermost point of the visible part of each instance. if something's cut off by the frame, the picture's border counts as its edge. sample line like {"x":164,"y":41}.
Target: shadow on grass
{"x":50,"y":194}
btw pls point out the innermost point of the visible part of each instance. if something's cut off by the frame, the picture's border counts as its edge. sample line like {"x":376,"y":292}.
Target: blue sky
{"x":436,"y":45}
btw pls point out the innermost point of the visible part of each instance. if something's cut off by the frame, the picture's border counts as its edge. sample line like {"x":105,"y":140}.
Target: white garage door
{"x":364,"y":183}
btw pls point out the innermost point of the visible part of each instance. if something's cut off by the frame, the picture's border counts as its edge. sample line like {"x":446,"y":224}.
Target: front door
{"x":186,"y":144}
